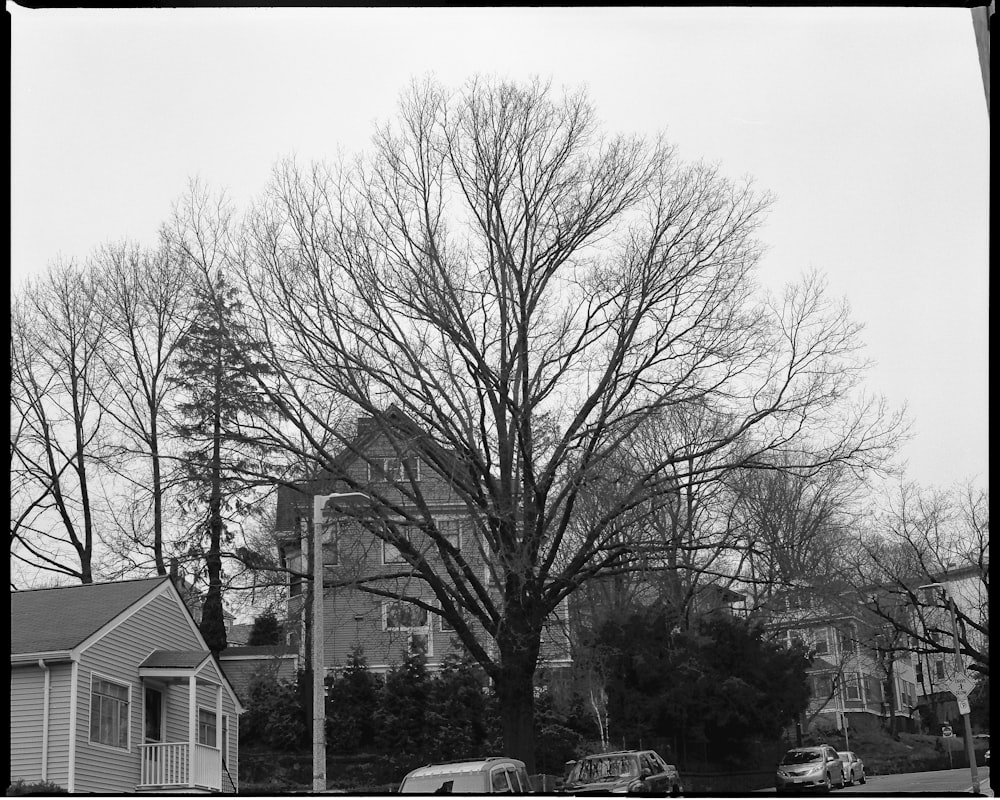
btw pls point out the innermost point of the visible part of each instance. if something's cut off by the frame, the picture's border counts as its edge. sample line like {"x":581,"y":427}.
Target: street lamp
{"x":959,"y":671}
{"x":318,"y":670}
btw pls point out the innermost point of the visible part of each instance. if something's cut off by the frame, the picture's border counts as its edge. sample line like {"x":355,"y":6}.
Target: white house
{"x":113,"y":690}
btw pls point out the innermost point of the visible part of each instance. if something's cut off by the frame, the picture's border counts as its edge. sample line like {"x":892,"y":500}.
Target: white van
{"x":481,"y":776}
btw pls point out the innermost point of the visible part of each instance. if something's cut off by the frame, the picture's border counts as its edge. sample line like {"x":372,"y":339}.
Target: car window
{"x":498,"y":781}
{"x":513,"y":775}
{"x":802,"y":756}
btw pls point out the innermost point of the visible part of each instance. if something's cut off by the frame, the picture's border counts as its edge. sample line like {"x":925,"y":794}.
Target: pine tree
{"x":266,"y":630}
{"x":402,"y":711}
{"x":351,"y":726}
{"x":218,"y":368}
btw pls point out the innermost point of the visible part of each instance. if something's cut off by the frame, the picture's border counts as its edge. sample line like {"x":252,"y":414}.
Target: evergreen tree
{"x":266,"y":630}
{"x":402,"y":711}
{"x":456,"y":716}
{"x":353,"y":700}
{"x":218,"y":366}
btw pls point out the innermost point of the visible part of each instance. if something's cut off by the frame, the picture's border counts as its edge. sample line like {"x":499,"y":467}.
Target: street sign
{"x":946,"y":730}
{"x":962,"y":683}
{"x":963,"y":703}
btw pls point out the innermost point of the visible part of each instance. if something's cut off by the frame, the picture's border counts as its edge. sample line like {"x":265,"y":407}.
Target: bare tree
{"x":57,"y":335}
{"x":924,"y":537}
{"x":146,"y":299}
{"x":527,"y":292}
{"x":792,"y":525}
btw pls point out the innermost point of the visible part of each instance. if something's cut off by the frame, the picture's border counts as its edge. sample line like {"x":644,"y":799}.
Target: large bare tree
{"x":57,"y":336}
{"x":528,"y":291}
{"x":146,"y":297}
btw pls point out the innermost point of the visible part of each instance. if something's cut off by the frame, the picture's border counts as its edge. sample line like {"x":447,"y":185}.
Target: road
{"x":946,"y":781}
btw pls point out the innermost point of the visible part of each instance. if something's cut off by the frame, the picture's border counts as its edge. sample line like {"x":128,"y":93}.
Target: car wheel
{"x":863,"y":778}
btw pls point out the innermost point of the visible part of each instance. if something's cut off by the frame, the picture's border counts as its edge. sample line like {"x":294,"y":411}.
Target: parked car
{"x":810,"y":768}
{"x":854,"y":767}
{"x":493,"y":775}
{"x":623,"y":772}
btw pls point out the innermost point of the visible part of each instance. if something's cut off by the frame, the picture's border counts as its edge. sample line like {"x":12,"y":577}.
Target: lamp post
{"x":959,"y":671}
{"x":318,"y":670}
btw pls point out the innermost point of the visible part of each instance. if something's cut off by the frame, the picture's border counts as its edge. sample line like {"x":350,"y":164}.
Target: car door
{"x":836,"y":768}
{"x":655,"y":771}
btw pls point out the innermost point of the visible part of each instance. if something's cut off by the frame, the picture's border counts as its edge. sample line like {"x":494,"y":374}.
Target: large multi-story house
{"x":860,"y":670}
{"x":365,"y":575}
{"x":937,"y":669}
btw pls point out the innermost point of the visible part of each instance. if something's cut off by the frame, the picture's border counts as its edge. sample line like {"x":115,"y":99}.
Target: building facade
{"x":366,"y":577}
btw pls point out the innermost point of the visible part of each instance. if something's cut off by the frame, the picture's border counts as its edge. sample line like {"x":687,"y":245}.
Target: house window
{"x":939,"y":668}
{"x":393,"y":470}
{"x":331,"y":543}
{"x":419,"y":643}
{"x":793,"y":638}
{"x":207,"y":727}
{"x":410,"y":619}
{"x":391,"y":554}
{"x":852,"y":685}
{"x":400,"y":616}
{"x":821,"y":643}
{"x":822,"y":686}
{"x":451,"y":530}
{"x":109,"y":712}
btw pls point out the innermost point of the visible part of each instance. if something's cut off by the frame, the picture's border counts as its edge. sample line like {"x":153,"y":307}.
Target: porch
{"x":186,"y":732}
{"x":180,"y":766}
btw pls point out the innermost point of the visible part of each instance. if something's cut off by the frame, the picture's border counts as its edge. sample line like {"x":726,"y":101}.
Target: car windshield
{"x":802,"y":756}
{"x":846,"y":756}
{"x":605,"y":768}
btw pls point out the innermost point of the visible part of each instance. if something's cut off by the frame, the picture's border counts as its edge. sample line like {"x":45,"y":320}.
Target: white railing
{"x":168,"y":765}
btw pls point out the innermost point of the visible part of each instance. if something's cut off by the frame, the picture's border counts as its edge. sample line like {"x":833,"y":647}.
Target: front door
{"x":153,"y":724}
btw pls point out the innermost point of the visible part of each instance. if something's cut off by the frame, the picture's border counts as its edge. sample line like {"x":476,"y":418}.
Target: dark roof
{"x":44,"y":620}
{"x":182,"y":659}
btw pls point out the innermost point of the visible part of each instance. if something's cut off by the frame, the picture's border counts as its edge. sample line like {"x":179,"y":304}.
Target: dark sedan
{"x":640,"y":772}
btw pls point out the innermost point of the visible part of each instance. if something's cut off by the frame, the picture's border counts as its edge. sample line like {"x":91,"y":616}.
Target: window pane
{"x":206,"y":727}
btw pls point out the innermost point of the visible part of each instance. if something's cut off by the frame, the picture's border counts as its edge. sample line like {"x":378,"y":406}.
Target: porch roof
{"x":175,"y":659}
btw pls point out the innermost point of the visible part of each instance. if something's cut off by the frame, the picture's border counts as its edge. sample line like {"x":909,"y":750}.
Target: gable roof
{"x":46,"y":620}
{"x":398,"y":426}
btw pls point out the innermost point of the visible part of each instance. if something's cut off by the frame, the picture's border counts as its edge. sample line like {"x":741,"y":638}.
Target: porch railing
{"x":168,"y":764}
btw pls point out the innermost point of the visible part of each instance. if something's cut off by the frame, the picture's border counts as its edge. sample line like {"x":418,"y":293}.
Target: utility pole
{"x":318,"y":637}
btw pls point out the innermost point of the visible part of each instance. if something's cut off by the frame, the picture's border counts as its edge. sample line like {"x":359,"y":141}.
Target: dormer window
{"x":394,"y":470}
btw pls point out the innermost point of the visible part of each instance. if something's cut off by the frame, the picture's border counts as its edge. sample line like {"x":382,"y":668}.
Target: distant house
{"x":113,"y":690}
{"x":858,"y":671}
{"x":242,"y":664}
{"x":388,"y":629}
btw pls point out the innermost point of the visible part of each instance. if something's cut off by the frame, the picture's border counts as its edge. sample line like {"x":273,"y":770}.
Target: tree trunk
{"x":213,"y":626}
{"x":158,"y":558}
{"x":518,"y":643}
{"x":515,"y":693}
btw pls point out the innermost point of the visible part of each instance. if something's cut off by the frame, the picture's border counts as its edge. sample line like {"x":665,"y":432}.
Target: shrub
{"x":20,"y":787}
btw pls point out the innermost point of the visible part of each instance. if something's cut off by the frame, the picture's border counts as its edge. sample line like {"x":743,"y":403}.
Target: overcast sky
{"x":869,"y":126}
